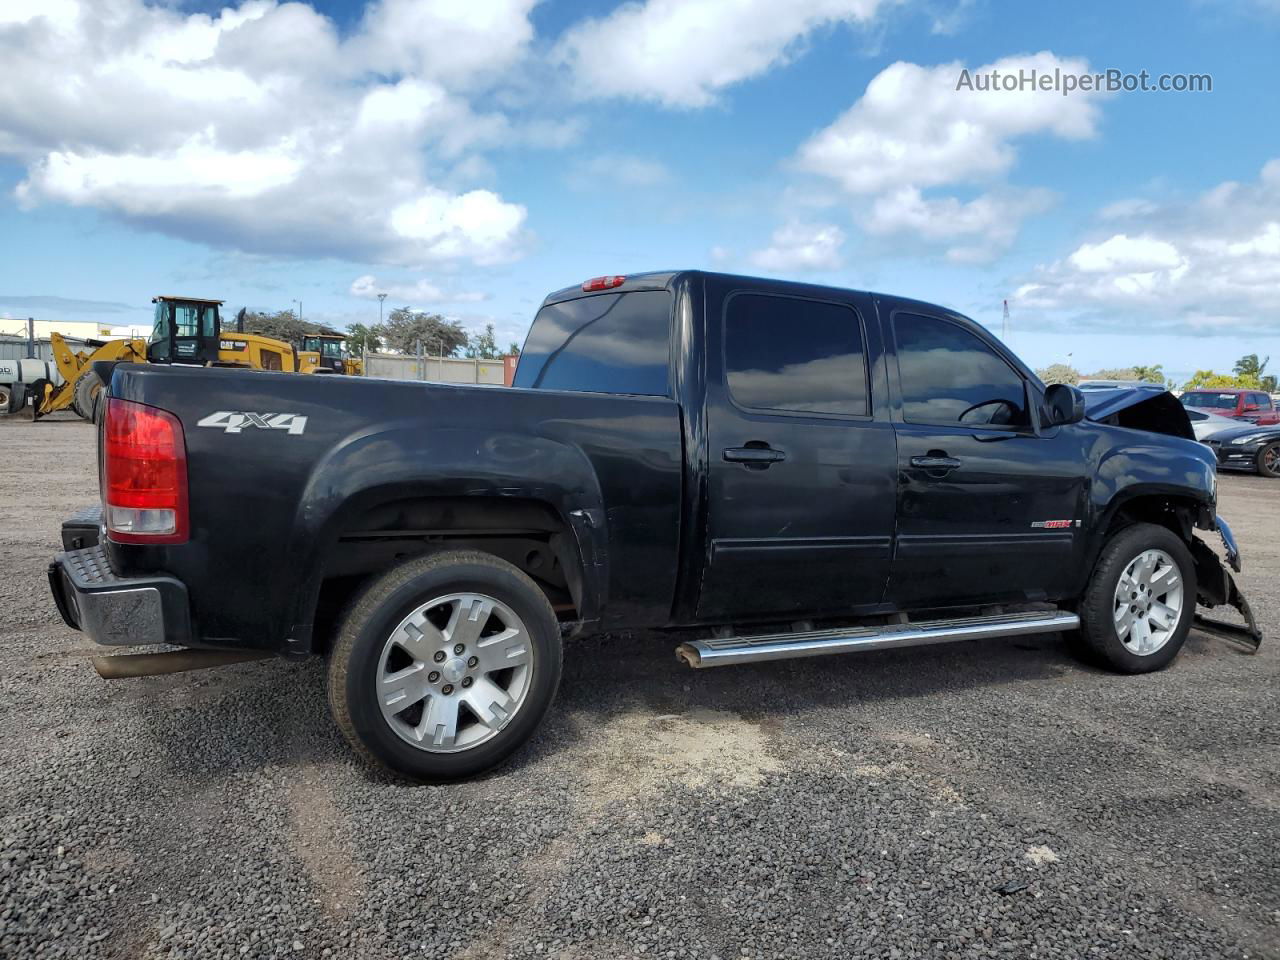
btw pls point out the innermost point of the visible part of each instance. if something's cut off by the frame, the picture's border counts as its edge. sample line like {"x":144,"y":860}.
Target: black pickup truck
{"x":770,"y":469}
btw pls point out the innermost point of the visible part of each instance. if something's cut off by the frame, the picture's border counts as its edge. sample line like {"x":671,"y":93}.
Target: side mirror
{"x":1065,"y":404}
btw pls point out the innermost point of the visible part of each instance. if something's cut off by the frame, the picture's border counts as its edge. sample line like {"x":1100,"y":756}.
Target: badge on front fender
{"x":234,"y":421}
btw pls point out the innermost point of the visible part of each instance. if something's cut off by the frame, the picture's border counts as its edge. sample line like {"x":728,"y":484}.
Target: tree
{"x":1253,"y":371}
{"x":1059,"y":373}
{"x":1153,"y":374}
{"x":281,"y":325}
{"x":361,"y":337}
{"x":513,"y":350}
{"x":407,"y":332}
{"x":1207,"y":378}
{"x":484,"y":346}
{"x":1112,"y":373}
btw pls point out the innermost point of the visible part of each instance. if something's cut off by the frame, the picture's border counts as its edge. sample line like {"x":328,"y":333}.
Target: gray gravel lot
{"x":841,"y":807}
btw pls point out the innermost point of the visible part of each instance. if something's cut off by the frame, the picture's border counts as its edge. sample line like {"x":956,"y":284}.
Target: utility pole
{"x":31,"y":338}
{"x":299,"y":303}
{"x":1004,"y":327}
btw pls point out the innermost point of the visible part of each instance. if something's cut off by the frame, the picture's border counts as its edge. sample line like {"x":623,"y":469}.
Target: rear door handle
{"x":935,"y":463}
{"x":754,"y":456}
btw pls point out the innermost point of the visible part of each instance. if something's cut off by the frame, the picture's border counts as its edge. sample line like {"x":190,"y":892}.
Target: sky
{"x":468,"y":156}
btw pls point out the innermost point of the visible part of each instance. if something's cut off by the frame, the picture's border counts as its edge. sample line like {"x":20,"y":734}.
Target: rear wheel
{"x":1268,"y":461}
{"x":445,"y":665}
{"x":1140,"y":601}
{"x":88,"y":391}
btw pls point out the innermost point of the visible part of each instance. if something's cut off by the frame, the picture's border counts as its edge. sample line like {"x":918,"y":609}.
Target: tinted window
{"x":787,"y":354}
{"x":611,"y":343}
{"x":1212,"y":401}
{"x":950,"y":376}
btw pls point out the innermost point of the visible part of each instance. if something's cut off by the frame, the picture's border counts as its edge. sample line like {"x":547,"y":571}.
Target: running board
{"x":718,"y":652}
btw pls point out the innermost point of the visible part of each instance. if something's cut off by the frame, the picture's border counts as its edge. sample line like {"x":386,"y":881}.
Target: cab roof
{"x":165,"y":299}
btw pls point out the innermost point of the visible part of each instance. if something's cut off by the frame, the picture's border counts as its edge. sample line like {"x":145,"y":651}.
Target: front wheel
{"x":1140,"y":602}
{"x":445,"y":665}
{"x":1268,"y":461}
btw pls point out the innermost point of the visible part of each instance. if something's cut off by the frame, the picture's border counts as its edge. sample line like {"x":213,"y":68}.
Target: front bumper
{"x":114,"y":610}
{"x":1216,"y":587}
{"x":1241,"y":457}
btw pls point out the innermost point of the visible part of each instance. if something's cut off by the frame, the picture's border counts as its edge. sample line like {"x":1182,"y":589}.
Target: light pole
{"x":381,"y":298}
{"x":299,"y":303}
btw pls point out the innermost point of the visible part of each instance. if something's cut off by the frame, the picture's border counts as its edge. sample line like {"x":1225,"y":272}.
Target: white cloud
{"x":1209,"y":263}
{"x":421,"y":293}
{"x":912,"y":128}
{"x":453,"y":41}
{"x":797,"y":247}
{"x":912,"y":131}
{"x":987,"y":225}
{"x":683,"y":53}
{"x":1124,"y":253}
{"x":623,"y":169}
{"x":263,"y":129}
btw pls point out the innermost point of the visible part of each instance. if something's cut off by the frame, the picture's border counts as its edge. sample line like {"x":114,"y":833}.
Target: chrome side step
{"x":718,"y":652}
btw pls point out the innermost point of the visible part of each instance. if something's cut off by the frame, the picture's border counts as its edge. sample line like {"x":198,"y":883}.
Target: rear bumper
{"x":83,"y":528}
{"x":118,"y":611}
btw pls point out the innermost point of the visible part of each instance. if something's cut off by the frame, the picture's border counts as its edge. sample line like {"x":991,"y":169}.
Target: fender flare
{"x":401,"y":460}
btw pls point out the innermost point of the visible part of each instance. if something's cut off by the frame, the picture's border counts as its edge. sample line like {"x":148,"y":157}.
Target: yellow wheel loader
{"x":333,"y":353}
{"x":80,"y":386}
{"x":186,"y":330}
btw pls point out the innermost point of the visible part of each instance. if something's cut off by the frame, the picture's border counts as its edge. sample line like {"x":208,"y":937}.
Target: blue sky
{"x":469,"y":157}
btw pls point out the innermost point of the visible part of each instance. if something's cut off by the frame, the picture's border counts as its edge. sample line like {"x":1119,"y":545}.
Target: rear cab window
{"x":1208,"y":400}
{"x":604,"y":343}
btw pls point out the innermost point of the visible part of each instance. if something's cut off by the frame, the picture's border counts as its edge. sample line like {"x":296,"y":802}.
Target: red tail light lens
{"x":603,"y":283}
{"x":144,"y":474}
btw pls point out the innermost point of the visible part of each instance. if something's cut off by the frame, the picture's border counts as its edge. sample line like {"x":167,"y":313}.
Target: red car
{"x":1252,"y":406}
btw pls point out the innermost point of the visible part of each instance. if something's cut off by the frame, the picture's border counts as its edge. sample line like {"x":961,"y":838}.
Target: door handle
{"x":757,"y":457}
{"x":932,"y":462}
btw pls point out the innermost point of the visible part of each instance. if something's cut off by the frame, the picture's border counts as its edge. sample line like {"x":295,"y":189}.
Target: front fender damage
{"x":1216,"y":587}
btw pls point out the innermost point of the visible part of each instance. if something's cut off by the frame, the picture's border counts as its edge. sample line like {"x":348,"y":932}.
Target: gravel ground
{"x":842,"y":807}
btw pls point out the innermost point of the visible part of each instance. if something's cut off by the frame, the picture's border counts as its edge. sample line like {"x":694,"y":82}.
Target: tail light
{"x":144,"y":474}
{"x":602,"y":283}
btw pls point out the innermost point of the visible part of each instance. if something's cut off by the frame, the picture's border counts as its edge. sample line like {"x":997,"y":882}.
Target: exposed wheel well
{"x":1179,"y":514}
{"x":529,"y":534}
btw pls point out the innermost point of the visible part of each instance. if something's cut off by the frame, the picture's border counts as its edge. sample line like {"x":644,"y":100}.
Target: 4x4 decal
{"x":234,"y":421}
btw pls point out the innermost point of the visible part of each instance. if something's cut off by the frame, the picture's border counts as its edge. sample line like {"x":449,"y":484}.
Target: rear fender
{"x":403,"y":461}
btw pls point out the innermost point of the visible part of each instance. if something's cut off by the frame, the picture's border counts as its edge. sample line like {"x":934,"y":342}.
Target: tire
{"x":6,"y":398}
{"x":395,"y":627}
{"x":1134,"y":641}
{"x":1268,"y":462}
{"x":37,"y":391}
{"x":88,"y":391}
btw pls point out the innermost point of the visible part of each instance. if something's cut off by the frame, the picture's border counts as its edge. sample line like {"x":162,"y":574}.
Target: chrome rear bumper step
{"x":718,"y":652}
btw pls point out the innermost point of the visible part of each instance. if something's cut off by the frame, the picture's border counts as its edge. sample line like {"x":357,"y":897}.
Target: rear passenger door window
{"x":950,"y":376}
{"x":795,"y":356}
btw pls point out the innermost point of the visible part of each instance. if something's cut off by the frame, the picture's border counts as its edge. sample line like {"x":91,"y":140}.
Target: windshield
{"x":331,"y":348}
{"x":1213,"y":401}
{"x":160,"y":332}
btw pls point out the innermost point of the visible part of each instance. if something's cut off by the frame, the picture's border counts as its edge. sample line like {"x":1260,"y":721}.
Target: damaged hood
{"x":1139,"y":407}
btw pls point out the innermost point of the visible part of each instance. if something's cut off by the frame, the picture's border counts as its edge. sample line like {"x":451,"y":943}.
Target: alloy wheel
{"x":454,"y":672}
{"x":1148,"y":602}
